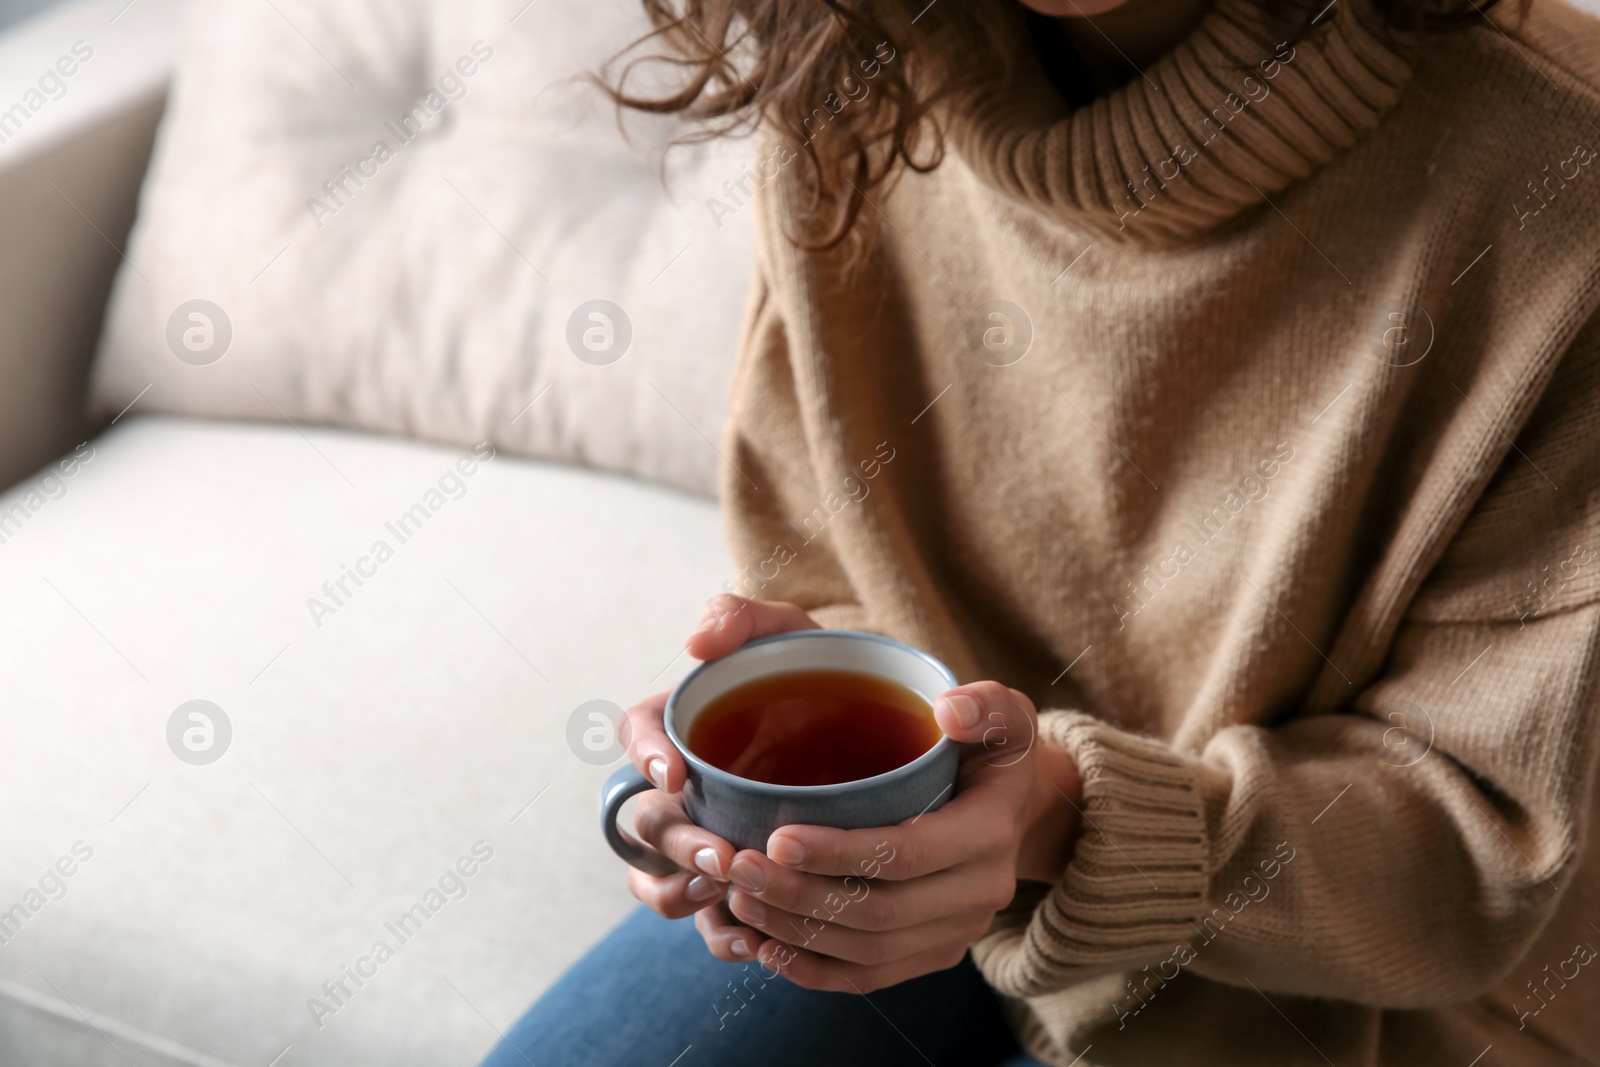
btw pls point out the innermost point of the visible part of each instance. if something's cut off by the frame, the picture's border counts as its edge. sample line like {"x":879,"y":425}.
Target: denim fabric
{"x":650,"y":995}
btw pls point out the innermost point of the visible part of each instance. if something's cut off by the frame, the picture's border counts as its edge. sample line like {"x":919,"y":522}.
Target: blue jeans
{"x":650,"y":995}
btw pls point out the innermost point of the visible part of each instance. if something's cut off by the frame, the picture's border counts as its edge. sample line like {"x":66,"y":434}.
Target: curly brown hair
{"x":793,"y":62}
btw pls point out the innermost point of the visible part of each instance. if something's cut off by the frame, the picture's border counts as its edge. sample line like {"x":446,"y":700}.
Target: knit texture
{"x":1266,"y":473}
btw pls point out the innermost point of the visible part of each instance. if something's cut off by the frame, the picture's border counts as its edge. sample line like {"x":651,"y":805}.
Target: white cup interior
{"x":822,"y":651}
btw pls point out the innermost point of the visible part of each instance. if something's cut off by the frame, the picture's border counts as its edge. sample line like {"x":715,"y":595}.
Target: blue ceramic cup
{"x":745,"y":812}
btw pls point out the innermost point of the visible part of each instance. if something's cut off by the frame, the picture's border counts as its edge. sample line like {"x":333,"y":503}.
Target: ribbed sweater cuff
{"x":1138,"y":875}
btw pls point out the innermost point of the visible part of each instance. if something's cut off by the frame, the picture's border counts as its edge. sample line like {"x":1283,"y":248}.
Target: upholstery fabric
{"x":400,"y":208}
{"x":429,"y":712}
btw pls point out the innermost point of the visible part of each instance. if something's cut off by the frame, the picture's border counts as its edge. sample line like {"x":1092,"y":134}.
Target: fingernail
{"x":658,"y":773}
{"x":751,"y":911}
{"x":964,"y":708}
{"x":703,"y":888}
{"x":708,"y":860}
{"x":712,"y":618}
{"x":747,"y":874}
{"x":740,"y":947}
{"x":787,"y":851}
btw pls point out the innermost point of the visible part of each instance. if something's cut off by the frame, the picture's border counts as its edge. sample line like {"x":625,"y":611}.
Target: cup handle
{"x":625,"y":783}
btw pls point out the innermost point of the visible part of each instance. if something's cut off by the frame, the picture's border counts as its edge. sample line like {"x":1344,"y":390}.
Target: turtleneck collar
{"x":1227,"y":117}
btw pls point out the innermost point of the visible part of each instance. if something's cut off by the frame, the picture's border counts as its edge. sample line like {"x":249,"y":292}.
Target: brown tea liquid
{"x":813,"y":727}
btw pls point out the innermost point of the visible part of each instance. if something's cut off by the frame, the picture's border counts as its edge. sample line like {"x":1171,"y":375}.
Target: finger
{"x":728,"y":939}
{"x":661,"y":823}
{"x":873,"y":905}
{"x":986,"y":713}
{"x":1000,"y":729}
{"x":676,"y":895}
{"x":977,"y":823}
{"x":729,"y":621}
{"x":649,"y":748}
{"x":812,"y":971}
{"x":856,"y":946}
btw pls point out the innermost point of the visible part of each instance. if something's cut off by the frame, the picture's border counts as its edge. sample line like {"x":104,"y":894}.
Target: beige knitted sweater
{"x":1270,"y":482}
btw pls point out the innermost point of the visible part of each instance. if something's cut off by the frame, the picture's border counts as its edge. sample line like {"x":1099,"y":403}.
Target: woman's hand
{"x":857,"y":910}
{"x":860,"y":909}
{"x":729,"y":621}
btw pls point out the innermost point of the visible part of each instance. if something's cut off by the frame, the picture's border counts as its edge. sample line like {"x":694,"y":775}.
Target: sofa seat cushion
{"x":403,"y":766}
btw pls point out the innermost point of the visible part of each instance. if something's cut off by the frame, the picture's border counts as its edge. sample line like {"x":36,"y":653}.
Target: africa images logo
{"x":199,"y":332}
{"x":351,"y":178}
{"x":199,"y":732}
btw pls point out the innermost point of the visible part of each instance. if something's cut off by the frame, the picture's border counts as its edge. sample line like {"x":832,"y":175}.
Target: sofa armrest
{"x":73,"y":150}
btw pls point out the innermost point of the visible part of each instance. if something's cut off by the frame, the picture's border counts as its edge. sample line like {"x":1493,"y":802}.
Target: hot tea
{"x":813,"y":727}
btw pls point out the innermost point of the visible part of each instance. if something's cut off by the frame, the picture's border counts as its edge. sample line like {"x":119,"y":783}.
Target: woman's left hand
{"x":858,"y":910}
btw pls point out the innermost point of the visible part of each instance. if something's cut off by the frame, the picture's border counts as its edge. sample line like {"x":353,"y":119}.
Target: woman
{"x":1225,"y":380}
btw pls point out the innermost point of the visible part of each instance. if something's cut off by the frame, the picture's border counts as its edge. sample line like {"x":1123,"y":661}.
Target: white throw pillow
{"x":398,"y":215}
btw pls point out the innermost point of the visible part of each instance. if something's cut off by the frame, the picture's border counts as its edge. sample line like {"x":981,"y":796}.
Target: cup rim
{"x":935,"y":751}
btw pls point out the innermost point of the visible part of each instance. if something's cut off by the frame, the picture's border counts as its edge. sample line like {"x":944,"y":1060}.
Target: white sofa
{"x":410,"y":763}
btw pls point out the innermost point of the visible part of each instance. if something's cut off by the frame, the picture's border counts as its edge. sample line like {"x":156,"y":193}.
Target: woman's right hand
{"x":660,"y":820}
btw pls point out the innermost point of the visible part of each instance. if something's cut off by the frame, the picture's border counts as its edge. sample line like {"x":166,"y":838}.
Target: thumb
{"x":988,"y":714}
